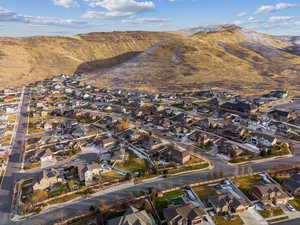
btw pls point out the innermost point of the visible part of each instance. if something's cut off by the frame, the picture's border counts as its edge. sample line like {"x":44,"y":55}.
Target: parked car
{"x":290,"y":207}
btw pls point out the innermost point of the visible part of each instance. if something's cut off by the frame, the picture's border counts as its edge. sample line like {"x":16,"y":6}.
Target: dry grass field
{"x":232,"y":58}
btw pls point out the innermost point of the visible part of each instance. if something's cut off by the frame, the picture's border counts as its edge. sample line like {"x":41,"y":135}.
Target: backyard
{"x":246,"y":184}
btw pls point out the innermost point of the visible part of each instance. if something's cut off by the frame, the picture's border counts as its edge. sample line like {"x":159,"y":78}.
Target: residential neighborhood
{"x":80,"y":141}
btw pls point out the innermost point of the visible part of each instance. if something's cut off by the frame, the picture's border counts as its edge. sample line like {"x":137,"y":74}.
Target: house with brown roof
{"x":108,"y":142}
{"x":186,"y":214}
{"x":270,"y":194}
{"x":176,"y":154}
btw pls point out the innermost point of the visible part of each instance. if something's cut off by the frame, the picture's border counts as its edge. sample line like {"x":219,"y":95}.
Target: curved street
{"x":79,"y":206}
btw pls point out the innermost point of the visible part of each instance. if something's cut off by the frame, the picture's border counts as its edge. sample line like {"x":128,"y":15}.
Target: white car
{"x":290,"y":207}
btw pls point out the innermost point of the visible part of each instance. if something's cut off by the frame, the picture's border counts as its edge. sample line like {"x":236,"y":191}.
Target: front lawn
{"x":270,"y":213}
{"x":132,"y":164}
{"x":295,"y":203}
{"x":110,"y":176}
{"x":277,"y":219}
{"x":246,"y":184}
{"x":63,"y":199}
{"x":188,"y":168}
{"x":220,"y":220}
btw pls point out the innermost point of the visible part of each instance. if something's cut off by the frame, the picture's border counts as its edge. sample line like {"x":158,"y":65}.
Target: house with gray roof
{"x":133,"y":217}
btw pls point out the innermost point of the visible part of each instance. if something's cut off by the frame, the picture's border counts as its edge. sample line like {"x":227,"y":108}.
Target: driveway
{"x":252,"y":217}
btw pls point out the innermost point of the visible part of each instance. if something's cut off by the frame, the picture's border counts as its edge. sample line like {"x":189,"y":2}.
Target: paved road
{"x":78,"y":207}
{"x":13,"y":165}
{"x":290,"y":222}
{"x":121,"y":192}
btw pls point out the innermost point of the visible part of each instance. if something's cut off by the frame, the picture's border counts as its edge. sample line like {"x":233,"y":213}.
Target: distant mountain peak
{"x":210,"y":28}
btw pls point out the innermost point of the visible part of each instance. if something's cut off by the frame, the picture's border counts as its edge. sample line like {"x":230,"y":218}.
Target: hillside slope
{"x":228,"y":57}
{"x":23,"y":60}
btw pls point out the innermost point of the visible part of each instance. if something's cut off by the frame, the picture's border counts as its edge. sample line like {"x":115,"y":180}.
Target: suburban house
{"x":237,"y":107}
{"x":46,"y":179}
{"x":279,"y":114}
{"x":228,"y":203}
{"x":133,"y":217}
{"x":262,"y":139}
{"x":108,"y":142}
{"x":270,"y":194}
{"x":177,"y":154}
{"x":186,"y":214}
{"x":89,"y":173}
{"x":149,"y":143}
{"x":47,"y":157}
{"x":293,"y":185}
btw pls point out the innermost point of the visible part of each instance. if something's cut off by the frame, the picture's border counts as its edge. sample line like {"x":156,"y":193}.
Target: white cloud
{"x":272,"y":8}
{"x":241,"y":14}
{"x":66,"y":3}
{"x":11,"y":16}
{"x":252,"y":19}
{"x":147,"y":20}
{"x":238,"y":22}
{"x":117,"y":8}
{"x":279,"y":18}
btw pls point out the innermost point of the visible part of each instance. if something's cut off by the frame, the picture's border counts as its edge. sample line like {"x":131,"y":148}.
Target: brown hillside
{"x":229,"y":58}
{"x":23,"y":60}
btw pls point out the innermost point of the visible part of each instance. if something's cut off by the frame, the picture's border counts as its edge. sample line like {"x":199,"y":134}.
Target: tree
{"x":92,"y":208}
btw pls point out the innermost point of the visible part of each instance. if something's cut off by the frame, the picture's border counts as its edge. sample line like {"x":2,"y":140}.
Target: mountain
{"x":24,"y":60}
{"x":225,"y":57}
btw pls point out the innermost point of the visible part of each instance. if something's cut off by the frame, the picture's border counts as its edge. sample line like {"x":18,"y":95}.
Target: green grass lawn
{"x":188,"y":168}
{"x":110,"y":176}
{"x":295,"y":203}
{"x":63,"y":188}
{"x":246,"y":184}
{"x":63,"y":199}
{"x":277,"y":211}
{"x":168,"y":198}
{"x":204,"y":192}
{"x":265,"y":213}
{"x":220,"y":220}
{"x":132,"y":164}
{"x":278,"y":219}
{"x":270,"y":213}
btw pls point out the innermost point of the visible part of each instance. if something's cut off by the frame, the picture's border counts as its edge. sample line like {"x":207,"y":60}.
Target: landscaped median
{"x":188,"y":168}
{"x":278,"y":219}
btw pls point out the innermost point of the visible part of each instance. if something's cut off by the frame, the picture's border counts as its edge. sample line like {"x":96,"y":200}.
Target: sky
{"x":68,"y":17}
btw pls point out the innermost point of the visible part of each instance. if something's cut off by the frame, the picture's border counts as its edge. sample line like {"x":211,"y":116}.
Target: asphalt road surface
{"x":121,"y":192}
{"x":13,"y":166}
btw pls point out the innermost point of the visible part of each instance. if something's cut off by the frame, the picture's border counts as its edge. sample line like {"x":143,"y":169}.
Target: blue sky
{"x":67,"y":17}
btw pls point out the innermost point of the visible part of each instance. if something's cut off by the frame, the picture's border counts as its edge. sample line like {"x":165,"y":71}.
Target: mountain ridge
{"x":225,"y":56}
